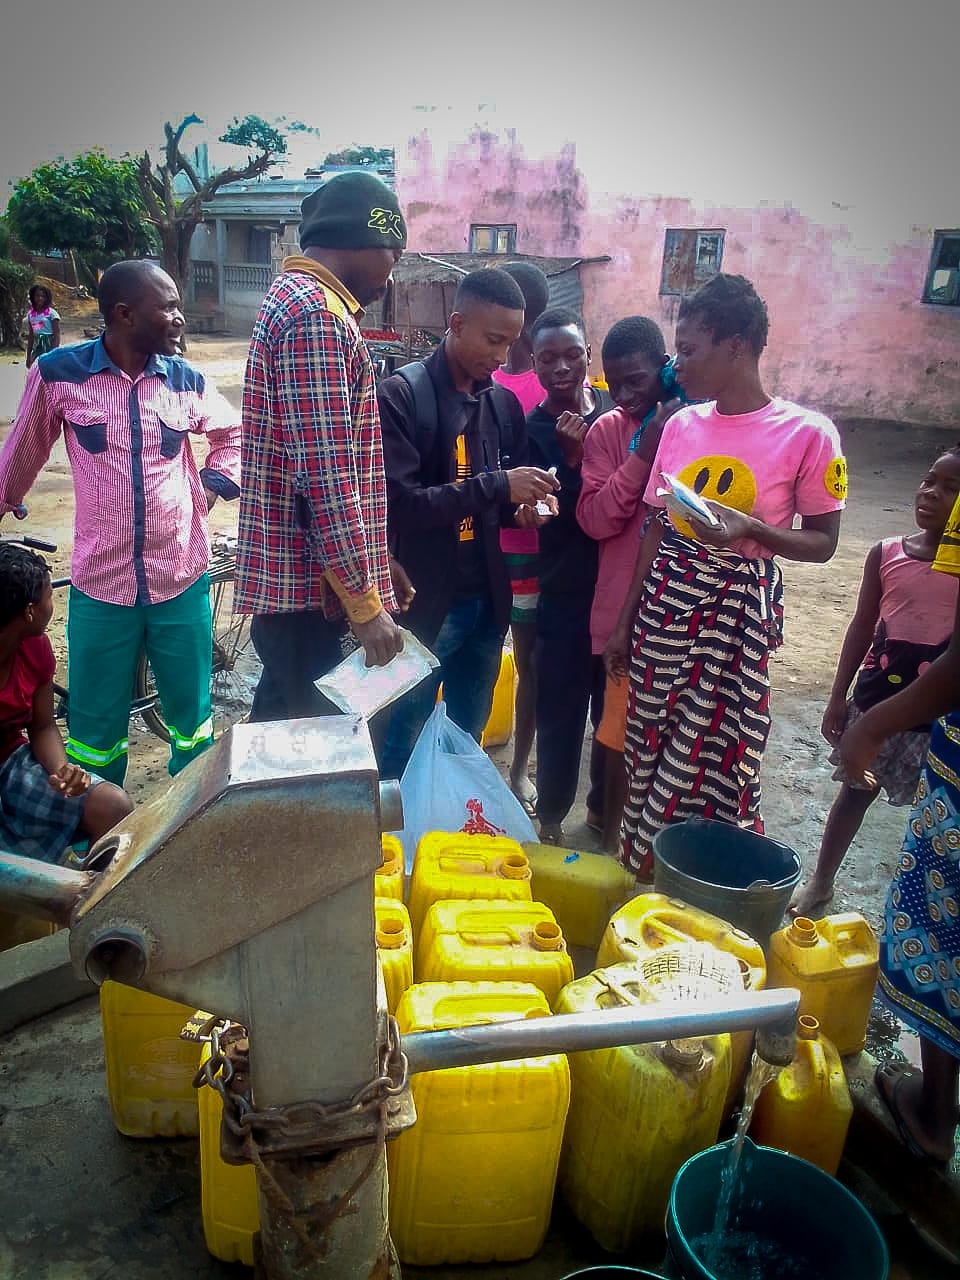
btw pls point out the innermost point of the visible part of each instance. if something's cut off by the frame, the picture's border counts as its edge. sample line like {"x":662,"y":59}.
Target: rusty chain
{"x":298,"y":1129}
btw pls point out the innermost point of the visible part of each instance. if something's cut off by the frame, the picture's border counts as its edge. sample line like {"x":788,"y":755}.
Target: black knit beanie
{"x":352,"y":211}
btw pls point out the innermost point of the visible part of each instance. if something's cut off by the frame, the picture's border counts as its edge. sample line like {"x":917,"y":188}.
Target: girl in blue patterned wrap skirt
{"x":920,"y":945}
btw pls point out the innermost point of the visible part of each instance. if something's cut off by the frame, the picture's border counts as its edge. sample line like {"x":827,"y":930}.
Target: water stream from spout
{"x":760,"y":1074}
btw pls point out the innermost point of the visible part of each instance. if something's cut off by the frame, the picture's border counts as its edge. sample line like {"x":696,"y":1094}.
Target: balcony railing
{"x":247,"y":277}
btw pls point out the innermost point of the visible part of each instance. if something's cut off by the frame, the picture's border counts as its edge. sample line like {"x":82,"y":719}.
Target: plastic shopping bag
{"x":450,"y":784}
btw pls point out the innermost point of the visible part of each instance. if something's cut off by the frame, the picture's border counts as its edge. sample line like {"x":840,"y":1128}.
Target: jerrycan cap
{"x":803,"y":932}
{"x":686,"y":1054}
{"x":807,"y":1028}
{"x":515,"y":867}
{"x":547,"y":936}
{"x":390,"y":932}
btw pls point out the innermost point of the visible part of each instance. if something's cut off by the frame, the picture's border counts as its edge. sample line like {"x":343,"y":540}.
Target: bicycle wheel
{"x":144,"y":689}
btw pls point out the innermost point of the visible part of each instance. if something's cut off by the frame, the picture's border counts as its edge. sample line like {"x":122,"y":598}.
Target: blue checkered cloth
{"x":36,"y":821}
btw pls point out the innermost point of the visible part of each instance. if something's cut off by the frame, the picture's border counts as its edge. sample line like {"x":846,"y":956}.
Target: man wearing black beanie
{"x":312,"y":554}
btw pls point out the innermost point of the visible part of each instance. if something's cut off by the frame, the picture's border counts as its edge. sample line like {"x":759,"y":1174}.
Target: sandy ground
{"x":886,"y":462}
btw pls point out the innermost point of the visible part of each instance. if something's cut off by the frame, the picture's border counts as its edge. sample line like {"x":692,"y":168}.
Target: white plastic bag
{"x":450,"y":784}
{"x":357,"y":689}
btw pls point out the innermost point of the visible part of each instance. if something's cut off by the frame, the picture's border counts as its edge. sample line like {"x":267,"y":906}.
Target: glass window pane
{"x":503,"y":240}
{"x":483,"y":240}
{"x":944,"y":285}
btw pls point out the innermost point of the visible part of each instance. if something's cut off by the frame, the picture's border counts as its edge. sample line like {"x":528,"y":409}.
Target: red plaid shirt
{"x":313,"y":509}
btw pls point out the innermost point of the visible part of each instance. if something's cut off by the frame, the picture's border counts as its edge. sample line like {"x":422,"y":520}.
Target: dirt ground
{"x":886,"y":461}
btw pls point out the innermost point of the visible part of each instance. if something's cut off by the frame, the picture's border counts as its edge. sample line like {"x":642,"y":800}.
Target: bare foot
{"x":901,"y":1088}
{"x":810,"y":900}
{"x":525,"y":792}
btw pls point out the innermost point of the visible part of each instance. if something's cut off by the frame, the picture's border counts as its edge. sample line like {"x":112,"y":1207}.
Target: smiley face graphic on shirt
{"x":835,"y":479}
{"x":719,"y":478}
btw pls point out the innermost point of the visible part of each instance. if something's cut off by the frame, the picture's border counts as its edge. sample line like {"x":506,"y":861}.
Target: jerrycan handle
{"x":454,"y":862}
{"x":492,"y":938}
{"x":617,"y":989}
{"x":659,"y":927}
{"x":851,"y":926}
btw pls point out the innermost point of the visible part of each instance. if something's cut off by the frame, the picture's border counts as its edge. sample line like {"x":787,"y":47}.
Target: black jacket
{"x":567,"y":562}
{"x":425,"y":503}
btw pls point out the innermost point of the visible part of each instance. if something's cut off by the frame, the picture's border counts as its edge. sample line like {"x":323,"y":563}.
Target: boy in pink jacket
{"x":617,"y":454}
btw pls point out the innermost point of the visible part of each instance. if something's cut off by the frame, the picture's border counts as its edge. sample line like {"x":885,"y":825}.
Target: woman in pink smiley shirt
{"x":704,"y":611}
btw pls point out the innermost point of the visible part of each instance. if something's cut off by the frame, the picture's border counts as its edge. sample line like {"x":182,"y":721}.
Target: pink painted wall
{"x":848,"y":333}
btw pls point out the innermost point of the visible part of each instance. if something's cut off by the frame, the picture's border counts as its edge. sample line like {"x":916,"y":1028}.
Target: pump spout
{"x":604,"y":1028}
{"x":776,"y":1043}
{"x":41,"y":889}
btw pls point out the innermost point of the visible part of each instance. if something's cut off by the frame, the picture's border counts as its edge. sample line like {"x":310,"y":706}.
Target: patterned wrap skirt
{"x":920,"y":945}
{"x":698,"y":715}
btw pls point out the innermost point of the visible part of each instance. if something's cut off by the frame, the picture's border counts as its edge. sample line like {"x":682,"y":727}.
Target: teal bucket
{"x":611,"y":1273}
{"x":744,"y":878}
{"x":811,"y":1223}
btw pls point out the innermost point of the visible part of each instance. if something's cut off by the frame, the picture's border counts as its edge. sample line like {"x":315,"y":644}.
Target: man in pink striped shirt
{"x":128,"y":405}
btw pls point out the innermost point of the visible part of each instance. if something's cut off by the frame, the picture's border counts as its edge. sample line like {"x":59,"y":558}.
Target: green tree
{"x":176,"y":218}
{"x":15,"y":281}
{"x":361,"y":155}
{"x":90,"y":205}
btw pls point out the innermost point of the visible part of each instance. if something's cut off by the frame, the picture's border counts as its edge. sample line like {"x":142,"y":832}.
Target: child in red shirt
{"x":45,"y":802}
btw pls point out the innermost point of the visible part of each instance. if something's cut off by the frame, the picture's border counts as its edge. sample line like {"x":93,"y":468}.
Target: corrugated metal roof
{"x":427,"y":268}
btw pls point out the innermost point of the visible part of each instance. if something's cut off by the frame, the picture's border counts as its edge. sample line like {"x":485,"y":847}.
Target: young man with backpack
{"x":455,"y":454}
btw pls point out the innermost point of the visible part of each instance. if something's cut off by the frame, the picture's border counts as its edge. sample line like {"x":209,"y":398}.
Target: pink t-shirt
{"x":916,"y":604}
{"x":775,"y":463}
{"x":611,"y":510}
{"x":526,"y":387}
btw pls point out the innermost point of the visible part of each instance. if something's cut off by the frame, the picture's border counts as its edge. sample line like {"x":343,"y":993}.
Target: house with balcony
{"x":248,"y":229}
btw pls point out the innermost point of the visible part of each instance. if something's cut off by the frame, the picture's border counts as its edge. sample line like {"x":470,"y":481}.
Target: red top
{"x":33,"y":667}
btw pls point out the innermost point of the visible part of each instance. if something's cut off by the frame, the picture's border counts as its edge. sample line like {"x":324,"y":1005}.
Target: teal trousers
{"x":104,"y":643}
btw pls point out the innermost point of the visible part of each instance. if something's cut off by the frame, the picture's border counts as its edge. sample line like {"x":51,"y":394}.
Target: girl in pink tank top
{"x":903,"y":620}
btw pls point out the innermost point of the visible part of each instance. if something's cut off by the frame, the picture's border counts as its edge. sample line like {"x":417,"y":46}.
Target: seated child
{"x":45,"y":802}
{"x":903,"y":621}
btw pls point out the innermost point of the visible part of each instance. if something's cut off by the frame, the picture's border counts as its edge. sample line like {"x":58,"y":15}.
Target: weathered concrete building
{"x":864,"y":323}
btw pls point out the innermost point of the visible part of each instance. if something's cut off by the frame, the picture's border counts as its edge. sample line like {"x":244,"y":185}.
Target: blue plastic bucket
{"x":812,"y":1220}
{"x":739,"y":876}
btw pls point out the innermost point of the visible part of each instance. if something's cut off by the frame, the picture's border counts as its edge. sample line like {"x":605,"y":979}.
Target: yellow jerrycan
{"x":228,"y":1192}
{"x":16,"y":929}
{"x":394,"y":948}
{"x":492,"y":941}
{"x":581,"y":889}
{"x":806,"y":1109}
{"x":473,"y":1180}
{"x":149,"y":1068}
{"x":834,"y":964}
{"x":388,"y":881}
{"x":452,"y":864}
{"x":637,"y":1113}
{"x":651,"y":921}
{"x":499,"y":725}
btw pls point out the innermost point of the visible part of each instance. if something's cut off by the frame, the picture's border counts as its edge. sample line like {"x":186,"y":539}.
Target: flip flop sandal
{"x":888,"y":1078}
